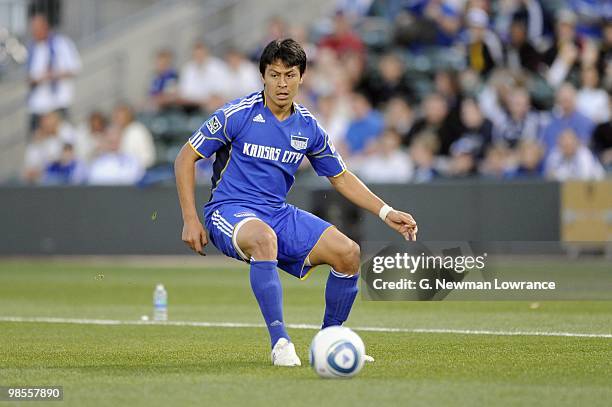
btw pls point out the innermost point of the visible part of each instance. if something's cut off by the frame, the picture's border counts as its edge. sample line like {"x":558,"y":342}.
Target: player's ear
{"x":301,"y":79}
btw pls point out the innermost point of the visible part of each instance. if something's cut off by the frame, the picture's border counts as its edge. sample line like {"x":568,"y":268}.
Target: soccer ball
{"x":336,"y":352}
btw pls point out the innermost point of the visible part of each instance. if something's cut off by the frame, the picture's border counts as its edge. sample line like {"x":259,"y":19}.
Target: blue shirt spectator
{"x":65,"y":171}
{"x":566,"y":118}
{"x":367,"y":125}
{"x":530,"y":163}
{"x":590,"y":13}
{"x":164,"y":86}
{"x":576,"y":121}
{"x":162,"y":81}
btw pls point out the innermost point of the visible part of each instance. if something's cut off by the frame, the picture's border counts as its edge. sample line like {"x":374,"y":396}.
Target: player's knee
{"x":264,"y":244}
{"x":349,"y":258}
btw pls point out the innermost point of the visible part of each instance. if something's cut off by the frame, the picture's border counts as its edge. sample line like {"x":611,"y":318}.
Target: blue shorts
{"x":297,"y":232}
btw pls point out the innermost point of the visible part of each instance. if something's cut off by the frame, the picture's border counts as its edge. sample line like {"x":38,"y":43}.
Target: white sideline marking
{"x":83,"y":321}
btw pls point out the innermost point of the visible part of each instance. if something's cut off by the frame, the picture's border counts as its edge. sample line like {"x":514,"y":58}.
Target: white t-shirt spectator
{"x":60,"y":54}
{"x":336,"y":126}
{"x":85,"y":143}
{"x":41,"y":153}
{"x":137,"y":141}
{"x":115,"y":169}
{"x":198,"y":82}
{"x":583,"y":166}
{"x":244,"y":80}
{"x":593,"y":103}
{"x":392,"y":168}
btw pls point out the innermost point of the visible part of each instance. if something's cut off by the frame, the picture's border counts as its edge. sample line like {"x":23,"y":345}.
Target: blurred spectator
{"x":423,"y":151}
{"x":447,"y":20}
{"x":366,"y":125}
{"x":343,"y":39}
{"x":67,"y":170}
{"x":389,"y":10}
{"x":203,"y":80}
{"x":520,"y":53}
{"x":566,"y":116}
{"x":135,"y":138}
{"x":89,"y":135}
{"x":353,"y":66}
{"x":526,"y":12}
{"x":475,"y":126}
{"x":387,"y":81}
{"x":55,"y":122}
{"x":463,"y":162}
{"x":563,"y":56}
{"x":495,"y":163}
{"x":46,"y":145}
{"x":399,"y":116}
{"x":530,"y":160}
{"x":495,"y":95}
{"x":276,"y":29}
{"x":164,"y":87}
{"x":589,"y":14}
{"x":484,"y":50}
{"x":591,"y":100}
{"x":389,"y":163}
{"x":300,"y":33}
{"x":53,"y":61}
{"x":446,"y":83}
{"x":331,"y":118}
{"x":604,"y":59}
{"x":113,"y":167}
{"x":427,"y":22}
{"x":322,"y":78}
{"x":244,"y":75}
{"x":353,"y":9}
{"x":520,"y":121}
{"x":434,"y":120}
{"x":602,"y":142}
{"x":570,"y":160}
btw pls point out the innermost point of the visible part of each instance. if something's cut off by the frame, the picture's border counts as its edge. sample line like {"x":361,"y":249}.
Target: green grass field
{"x":183,"y":365}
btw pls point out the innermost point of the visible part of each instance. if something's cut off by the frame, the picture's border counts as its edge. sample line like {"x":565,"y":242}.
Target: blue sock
{"x":340,"y":293}
{"x":269,"y":294}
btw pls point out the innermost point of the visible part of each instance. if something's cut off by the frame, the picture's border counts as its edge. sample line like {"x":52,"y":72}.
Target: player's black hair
{"x":289,"y":51}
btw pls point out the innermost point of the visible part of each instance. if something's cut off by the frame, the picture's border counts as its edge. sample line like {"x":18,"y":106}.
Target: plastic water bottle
{"x":160,"y":303}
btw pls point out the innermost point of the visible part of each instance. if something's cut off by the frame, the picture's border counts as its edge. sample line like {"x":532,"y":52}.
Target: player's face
{"x":281,"y":83}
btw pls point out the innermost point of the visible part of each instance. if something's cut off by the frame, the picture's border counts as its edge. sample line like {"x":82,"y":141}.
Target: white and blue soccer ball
{"x":337,"y":352}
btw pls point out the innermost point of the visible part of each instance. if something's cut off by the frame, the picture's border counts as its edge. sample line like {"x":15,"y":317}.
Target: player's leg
{"x":250,"y":239}
{"x":343,"y":255}
{"x":257,"y":241}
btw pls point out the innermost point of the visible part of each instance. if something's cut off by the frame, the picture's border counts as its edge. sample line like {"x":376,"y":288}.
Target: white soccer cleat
{"x":283,"y":354}
{"x":368,"y":358}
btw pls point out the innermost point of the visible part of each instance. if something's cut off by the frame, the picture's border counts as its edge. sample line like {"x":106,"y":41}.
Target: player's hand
{"x":403,"y":223}
{"x":194,"y":236}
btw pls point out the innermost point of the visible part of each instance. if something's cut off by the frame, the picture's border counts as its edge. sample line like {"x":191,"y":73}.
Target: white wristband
{"x":384,"y":211}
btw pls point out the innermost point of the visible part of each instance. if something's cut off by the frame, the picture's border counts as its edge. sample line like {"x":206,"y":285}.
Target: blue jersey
{"x":256,"y":155}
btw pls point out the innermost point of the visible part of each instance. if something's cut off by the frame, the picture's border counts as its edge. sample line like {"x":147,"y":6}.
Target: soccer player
{"x":259,"y":142}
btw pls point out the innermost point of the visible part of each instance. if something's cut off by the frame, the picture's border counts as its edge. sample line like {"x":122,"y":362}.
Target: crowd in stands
{"x":409,"y":91}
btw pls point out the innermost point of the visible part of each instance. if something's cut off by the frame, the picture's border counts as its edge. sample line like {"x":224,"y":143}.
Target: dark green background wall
{"x":119,"y":220}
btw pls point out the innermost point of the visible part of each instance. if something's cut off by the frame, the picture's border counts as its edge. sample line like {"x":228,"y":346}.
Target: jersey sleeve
{"x":211,"y":136}
{"x":323,"y":156}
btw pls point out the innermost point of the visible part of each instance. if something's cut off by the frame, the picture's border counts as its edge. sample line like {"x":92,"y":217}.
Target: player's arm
{"x":193,"y":234}
{"x":358,"y":193}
